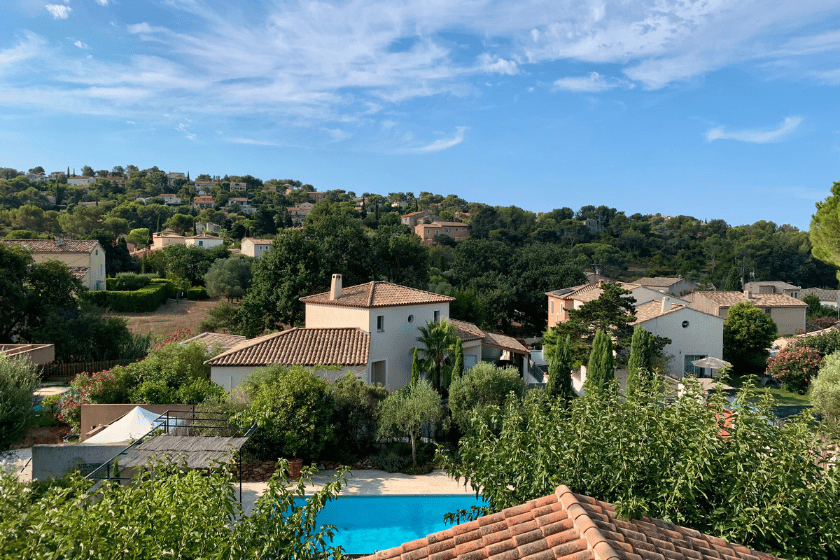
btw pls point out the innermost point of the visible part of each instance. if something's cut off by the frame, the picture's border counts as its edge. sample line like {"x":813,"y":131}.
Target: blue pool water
{"x":365,"y":524}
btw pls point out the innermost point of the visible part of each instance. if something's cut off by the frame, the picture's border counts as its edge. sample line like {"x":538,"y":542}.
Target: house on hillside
{"x":166,"y":238}
{"x":80,"y":181}
{"x":238,"y":186}
{"x":170,"y":199}
{"x":210,"y":227}
{"x":678,"y":286}
{"x":256,"y":247}
{"x":482,"y":345}
{"x":203,"y":202}
{"x":787,"y":312}
{"x":244,"y":205}
{"x":413,"y":218}
{"x":694,"y":334}
{"x":430,"y":234}
{"x":773,"y":287}
{"x":829,"y":298}
{"x":299,"y":211}
{"x":204,"y":241}
{"x":85,"y":258}
{"x":171,"y":178}
{"x":563,"y":300}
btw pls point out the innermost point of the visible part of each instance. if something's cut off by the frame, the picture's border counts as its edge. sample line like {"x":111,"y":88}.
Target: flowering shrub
{"x":795,"y":367}
{"x":178,"y":336}
{"x":100,"y":387}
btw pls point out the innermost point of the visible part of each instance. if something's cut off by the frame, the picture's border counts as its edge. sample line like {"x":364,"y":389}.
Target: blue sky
{"x":716,"y":109}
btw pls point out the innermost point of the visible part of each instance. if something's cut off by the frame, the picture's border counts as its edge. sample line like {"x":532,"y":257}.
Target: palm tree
{"x":439,"y":340}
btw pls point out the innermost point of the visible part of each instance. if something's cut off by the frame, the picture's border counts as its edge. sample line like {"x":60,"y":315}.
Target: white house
{"x":256,"y":247}
{"x":694,"y":334}
{"x":238,"y":186}
{"x":483,"y":345}
{"x":244,"y":205}
{"x":80,"y":181}
{"x":675,"y":286}
{"x":204,"y":241}
{"x":170,"y":199}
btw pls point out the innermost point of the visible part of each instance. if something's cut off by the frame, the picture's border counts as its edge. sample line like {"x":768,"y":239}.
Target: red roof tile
{"x":566,"y":526}
{"x":378,"y":294}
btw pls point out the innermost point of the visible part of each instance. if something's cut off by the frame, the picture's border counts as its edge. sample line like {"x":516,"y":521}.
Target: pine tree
{"x":415,"y":369}
{"x":640,"y":363}
{"x":458,"y":367}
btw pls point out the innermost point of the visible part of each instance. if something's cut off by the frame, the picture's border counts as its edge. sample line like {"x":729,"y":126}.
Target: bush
{"x":220,"y":317}
{"x":356,"y":413}
{"x":825,"y":343}
{"x":145,"y":299}
{"x":196,"y":293}
{"x":747,"y":333}
{"x":129,"y":281}
{"x":390,"y":460}
{"x":153,"y":391}
{"x":294,"y":411}
{"x":199,"y":391}
{"x":479,"y":393}
{"x":825,"y":394}
{"x":18,"y":380}
{"x":794,"y":368}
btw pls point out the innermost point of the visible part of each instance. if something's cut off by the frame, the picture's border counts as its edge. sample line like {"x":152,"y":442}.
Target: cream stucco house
{"x":85,"y":258}
{"x":675,"y":286}
{"x":694,"y":334}
{"x":787,"y":312}
{"x":256,"y":247}
{"x":204,"y":241}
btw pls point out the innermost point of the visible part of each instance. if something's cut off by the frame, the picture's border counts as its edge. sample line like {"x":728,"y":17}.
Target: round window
{"x":411,"y":318}
{"x":685,"y":324}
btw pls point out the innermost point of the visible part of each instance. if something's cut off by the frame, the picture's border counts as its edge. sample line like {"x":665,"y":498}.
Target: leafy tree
{"x":640,"y":363}
{"x":479,"y":395}
{"x":601,"y":369}
{"x":211,"y":522}
{"x":139,"y":237}
{"x":825,"y":395}
{"x":229,"y":277}
{"x":770,"y":486}
{"x":825,"y":228}
{"x":356,"y":412}
{"x":415,"y":368}
{"x":220,"y":318}
{"x":14,"y":268}
{"x":400,"y":257}
{"x":18,"y":381}
{"x":406,"y":413}
{"x":191,"y":263}
{"x":559,"y":384}
{"x":747,"y":333}
{"x":439,"y":340}
{"x":87,"y":171}
{"x":181,"y":223}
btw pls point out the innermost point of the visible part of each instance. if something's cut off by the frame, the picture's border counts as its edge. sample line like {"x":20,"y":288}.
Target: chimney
{"x":335,"y":287}
{"x":666,"y":304}
{"x":600,"y":282}
{"x":748,"y":294}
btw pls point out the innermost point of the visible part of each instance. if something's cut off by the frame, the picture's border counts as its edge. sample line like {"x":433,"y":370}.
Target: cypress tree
{"x":415,"y":369}
{"x":601,"y":368}
{"x":560,"y":372}
{"x":640,"y":363}
{"x":458,"y":367}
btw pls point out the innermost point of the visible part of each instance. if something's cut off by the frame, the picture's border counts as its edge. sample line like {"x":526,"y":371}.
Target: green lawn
{"x":782,"y":397}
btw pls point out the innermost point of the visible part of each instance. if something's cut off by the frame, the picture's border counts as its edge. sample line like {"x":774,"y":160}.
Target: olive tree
{"x":409,"y":411}
{"x":481,"y":392}
{"x":825,"y":394}
{"x":18,"y":380}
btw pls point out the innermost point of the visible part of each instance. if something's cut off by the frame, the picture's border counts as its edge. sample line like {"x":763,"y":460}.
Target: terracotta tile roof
{"x":415,"y":213}
{"x":378,"y":294}
{"x":728,"y":299}
{"x":51,"y":246}
{"x":212,"y":340}
{"x":653,"y":309}
{"x":468,"y":332}
{"x":777,"y":284}
{"x":305,"y":347}
{"x":79,"y":272}
{"x":660,"y":281}
{"x":256,"y":241}
{"x":567,"y":526}
{"x":824,"y":295}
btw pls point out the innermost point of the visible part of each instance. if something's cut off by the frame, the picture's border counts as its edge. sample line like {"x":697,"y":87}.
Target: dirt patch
{"x":170,"y":317}
{"x":43,"y":435}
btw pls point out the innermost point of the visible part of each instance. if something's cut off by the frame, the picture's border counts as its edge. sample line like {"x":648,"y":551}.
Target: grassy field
{"x":782,"y":397}
{"x":169,"y":317}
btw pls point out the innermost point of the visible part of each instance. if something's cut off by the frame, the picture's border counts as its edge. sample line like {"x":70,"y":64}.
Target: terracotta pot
{"x":295,"y":465}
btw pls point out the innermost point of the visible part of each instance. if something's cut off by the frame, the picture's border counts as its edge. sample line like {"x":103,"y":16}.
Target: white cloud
{"x":80,"y":45}
{"x":183,"y":128}
{"x":755,"y":136}
{"x":593,"y":83}
{"x":443,"y":143}
{"x":130,"y":122}
{"x":498,"y":65}
{"x":102,"y":2}
{"x":58,"y":11}
{"x":337,"y":134}
{"x":29,"y":47}
{"x":387,"y":125}
{"x":252,"y":141}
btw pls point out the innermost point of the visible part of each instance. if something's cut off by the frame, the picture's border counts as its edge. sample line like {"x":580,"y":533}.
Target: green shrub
{"x":153,"y":391}
{"x":199,"y":391}
{"x":196,"y":293}
{"x":483,"y":390}
{"x":145,"y":299}
{"x":795,"y":367}
{"x":825,"y":394}
{"x":826,"y":343}
{"x":18,"y":380}
{"x":129,"y":281}
{"x":171,"y":289}
{"x":294,"y":411}
{"x":356,"y":413}
{"x":390,"y":460}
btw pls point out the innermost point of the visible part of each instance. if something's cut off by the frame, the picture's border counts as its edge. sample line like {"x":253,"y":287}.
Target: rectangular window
{"x":691,"y":369}
{"x":437,"y":316}
{"x":378,"y":373}
{"x":380,"y":323}
{"x":552,"y":306}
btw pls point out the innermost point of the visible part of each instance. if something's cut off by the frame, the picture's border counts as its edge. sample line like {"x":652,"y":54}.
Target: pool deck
{"x":369,"y":482}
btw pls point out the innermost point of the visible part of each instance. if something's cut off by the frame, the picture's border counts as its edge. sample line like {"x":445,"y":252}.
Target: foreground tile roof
{"x":304,"y":347}
{"x":728,"y":299}
{"x":53,"y":246}
{"x":378,"y":294}
{"x":567,"y":526}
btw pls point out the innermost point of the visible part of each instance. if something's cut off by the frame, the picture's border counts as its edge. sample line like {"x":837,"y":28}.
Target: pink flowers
{"x":795,"y":367}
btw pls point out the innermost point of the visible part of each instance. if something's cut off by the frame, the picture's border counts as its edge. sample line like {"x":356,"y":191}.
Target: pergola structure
{"x":199,"y":440}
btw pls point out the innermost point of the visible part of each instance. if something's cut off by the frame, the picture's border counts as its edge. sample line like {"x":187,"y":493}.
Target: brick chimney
{"x":335,"y":286}
{"x":666,"y":304}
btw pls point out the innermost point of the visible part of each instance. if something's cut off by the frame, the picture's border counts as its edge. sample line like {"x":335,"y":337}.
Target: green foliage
{"x":747,"y":333}
{"x":135,"y":520}
{"x":640,"y":363}
{"x":458,"y":366}
{"x":196,"y":293}
{"x":439,"y":340}
{"x":391,"y":460}
{"x":356,"y":413}
{"x":220,"y":318}
{"x":795,"y":368}
{"x":293,"y":410}
{"x":825,"y":395}
{"x":480,"y":394}
{"x":18,"y":380}
{"x":415,"y":368}
{"x":559,"y":384}
{"x":826,"y":342}
{"x":769,"y":486}
{"x":190,"y":263}
{"x":128,"y":281}
{"x":139,"y":237}
{"x":406,"y":413}
{"x":229,"y":278}
{"x":145,"y":299}
{"x":601,"y":368}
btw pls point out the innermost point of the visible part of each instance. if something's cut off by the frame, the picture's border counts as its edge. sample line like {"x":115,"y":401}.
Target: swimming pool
{"x":365,"y":524}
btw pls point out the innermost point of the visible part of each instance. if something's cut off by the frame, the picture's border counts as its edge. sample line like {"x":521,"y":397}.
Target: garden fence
{"x":55,"y":370}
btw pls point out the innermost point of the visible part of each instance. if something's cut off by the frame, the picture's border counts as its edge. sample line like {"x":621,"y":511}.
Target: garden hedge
{"x":197,"y":293}
{"x":148,"y":298}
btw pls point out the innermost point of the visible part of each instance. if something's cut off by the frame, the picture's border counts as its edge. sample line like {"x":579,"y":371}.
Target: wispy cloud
{"x":497,"y":65}
{"x":755,"y":135}
{"x":80,"y":45}
{"x":102,"y":2}
{"x":593,"y":83}
{"x":252,"y":141}
{"x":443,"y":143}
{"x":183,"y":128}
{"x":337,"y":134}
{"x":58,"y":11}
